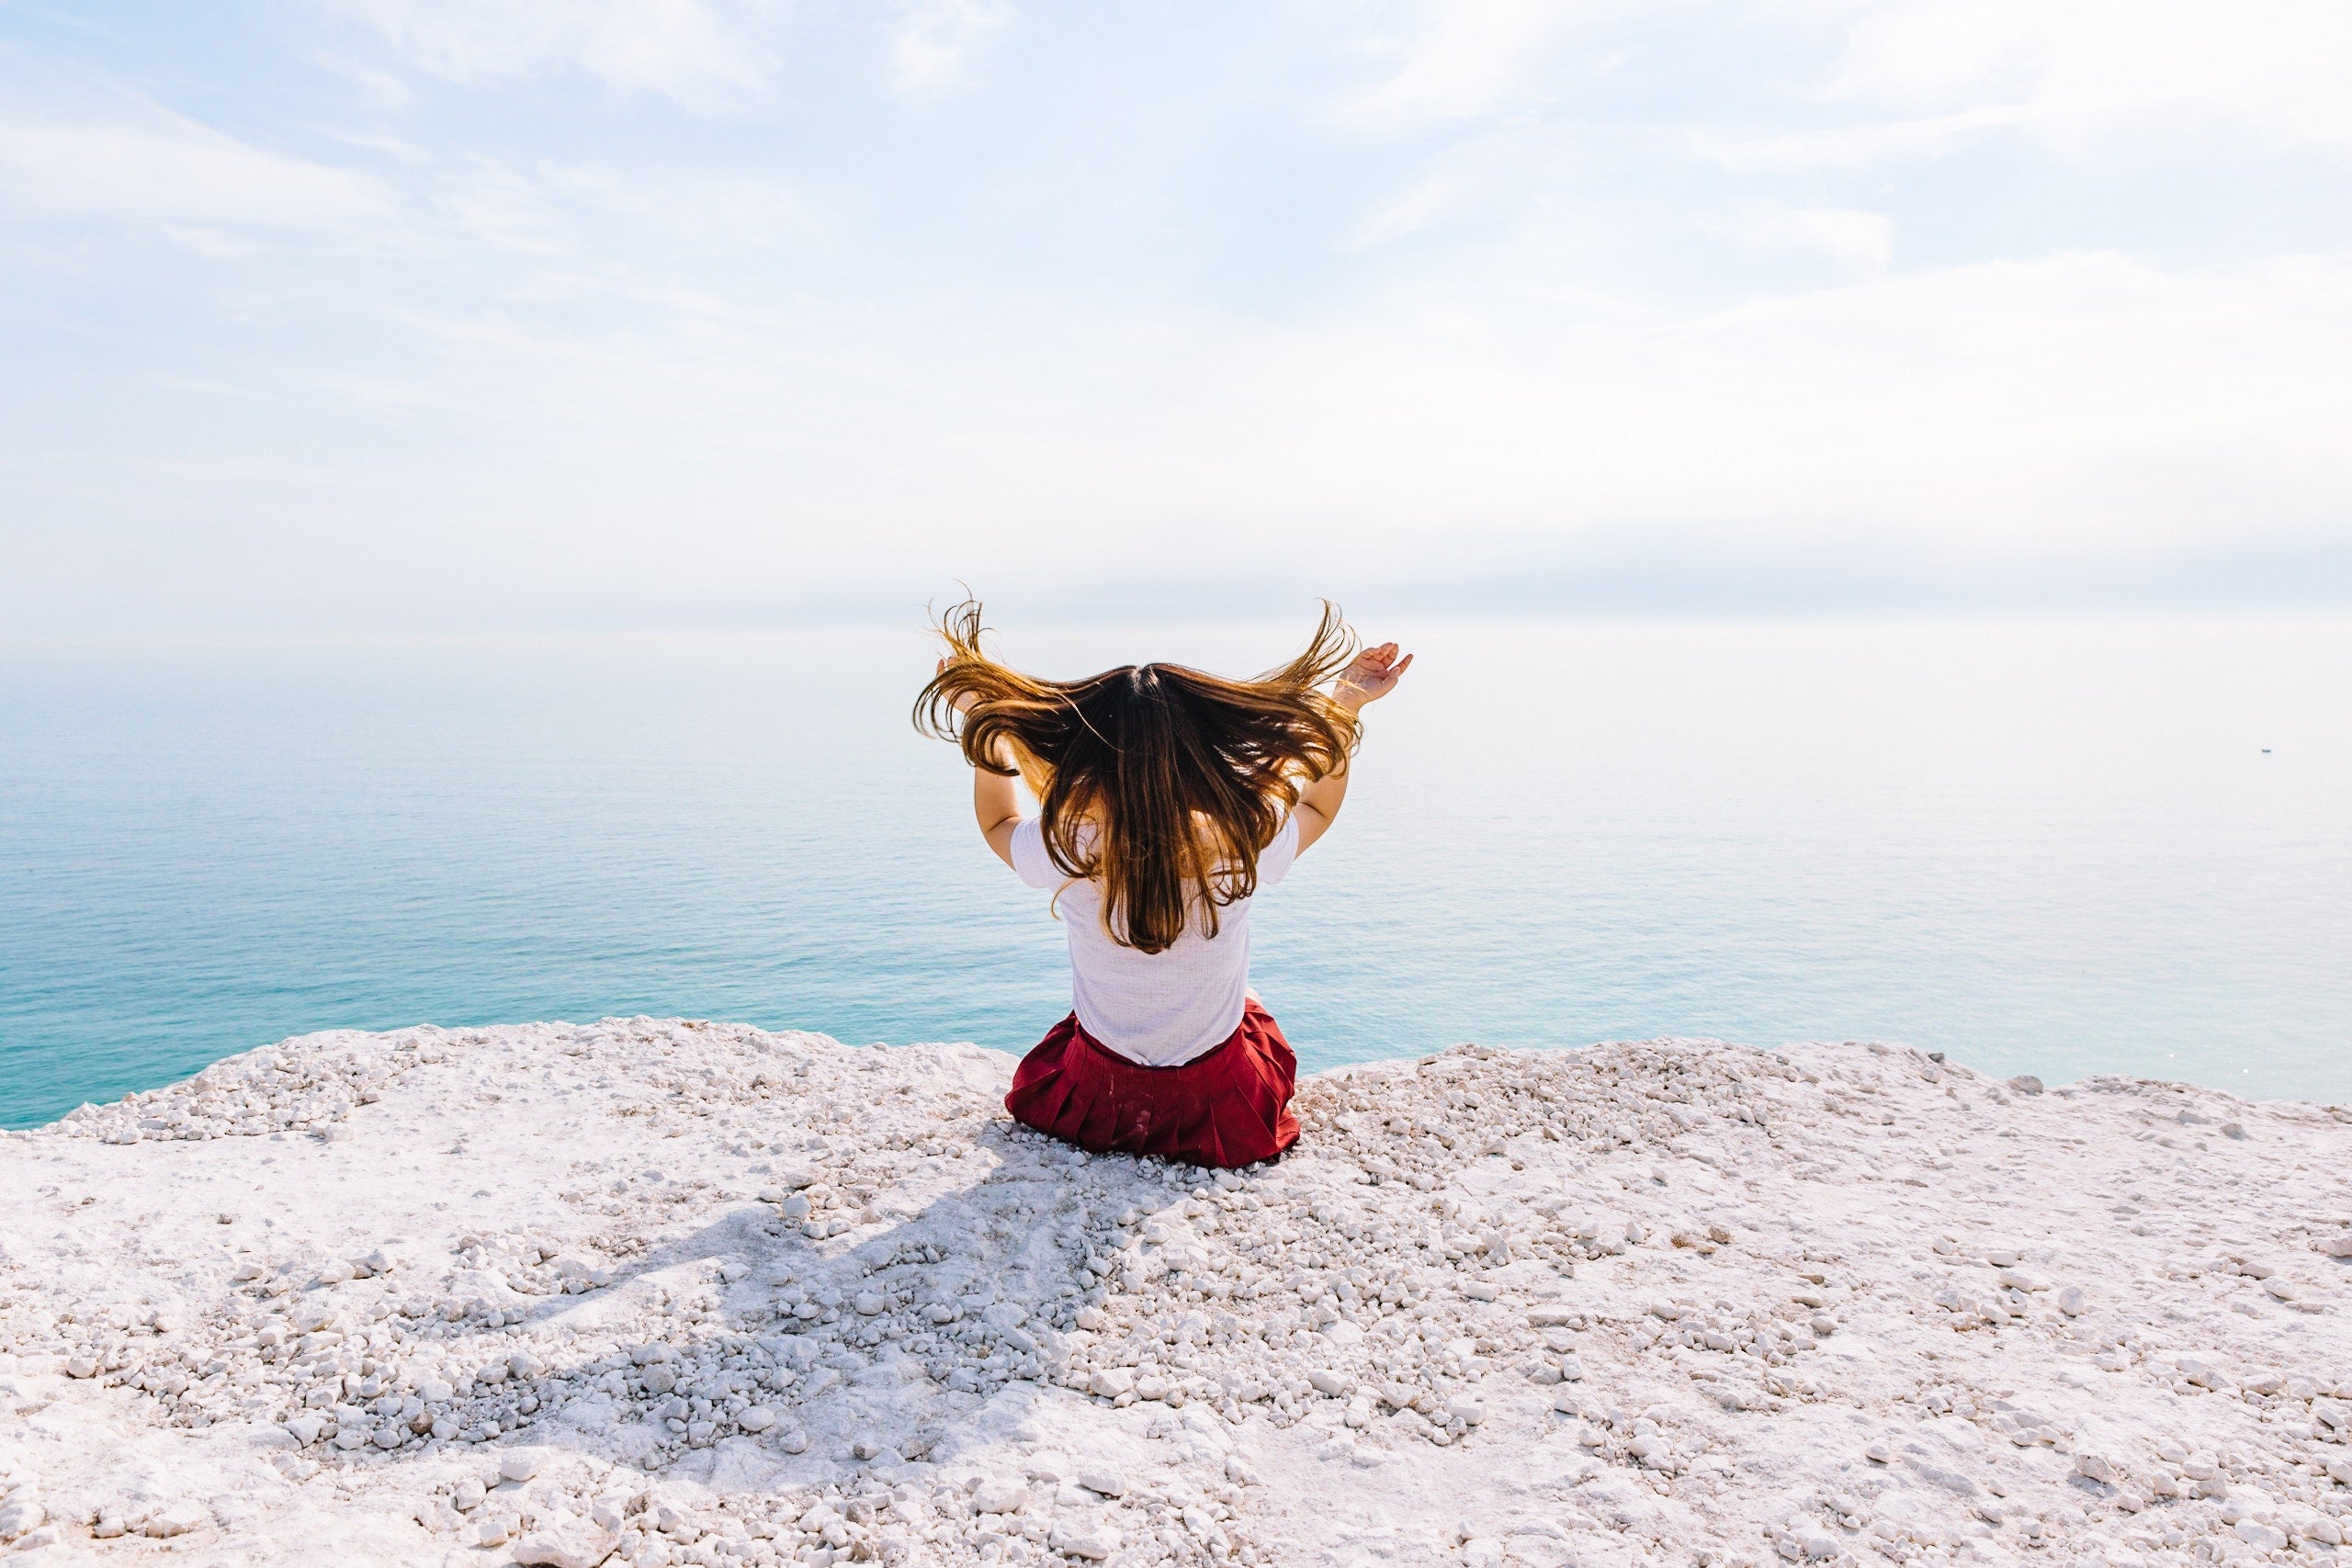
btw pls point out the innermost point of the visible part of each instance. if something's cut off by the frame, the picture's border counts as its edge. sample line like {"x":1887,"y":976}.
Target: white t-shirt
{"x":1158,"y":1008}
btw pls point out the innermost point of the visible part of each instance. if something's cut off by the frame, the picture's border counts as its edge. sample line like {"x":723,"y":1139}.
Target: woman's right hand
{"x":1371,"y":677}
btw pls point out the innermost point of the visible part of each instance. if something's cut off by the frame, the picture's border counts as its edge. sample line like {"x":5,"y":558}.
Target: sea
{"x":2048,"y":846}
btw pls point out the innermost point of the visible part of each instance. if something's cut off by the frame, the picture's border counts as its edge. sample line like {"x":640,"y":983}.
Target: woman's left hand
{"x":963,"y":700}
{"x":1372,"y":675}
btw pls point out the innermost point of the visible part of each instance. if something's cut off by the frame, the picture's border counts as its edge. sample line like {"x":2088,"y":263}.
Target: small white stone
{"x":1092,"y":1542}
{"x":176,"y":1520}
{"x":758,"y":1418}
{"x":870,"y":1305}
{"x":568,"y":1543}
{"x":1107,"y":1482}
{"x":1326,"y":1381}
{"x":467,"y":1496}
{"x":1000,"y":1496}
{"x":2279,"y":1290}
{"x":1465,"y":1409}
{"x":1879,"y":1453}
{"x":794,"y":1442}
{"x":517,"y":1465}
{"x":1109,"y":1383}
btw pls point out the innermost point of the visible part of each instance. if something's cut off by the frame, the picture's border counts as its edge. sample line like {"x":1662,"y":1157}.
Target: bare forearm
{"x":1372,"y":676}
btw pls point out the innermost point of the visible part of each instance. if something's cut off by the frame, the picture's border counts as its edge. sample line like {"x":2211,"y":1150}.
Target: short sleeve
{"x":1274,"y":860}
{"x":1030,"y":860}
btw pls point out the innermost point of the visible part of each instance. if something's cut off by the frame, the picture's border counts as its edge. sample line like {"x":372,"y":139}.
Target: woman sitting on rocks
{"x":1167,"y":799}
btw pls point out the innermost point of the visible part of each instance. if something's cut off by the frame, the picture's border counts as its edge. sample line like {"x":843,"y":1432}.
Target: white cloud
{"x":1461,"y":58}
{"x":1494,"y":169}
{"x":930,"y":51}
{"x":2089,"y":73}
{"x":1858,"y":242}
{"x":683,"y":49}
{"x":2077,"y":404}
{"x":1858,"y":146}
{"x":148,"y":165}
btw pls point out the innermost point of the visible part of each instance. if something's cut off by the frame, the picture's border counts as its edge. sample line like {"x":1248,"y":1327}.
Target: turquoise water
{"x":2058,"y":846}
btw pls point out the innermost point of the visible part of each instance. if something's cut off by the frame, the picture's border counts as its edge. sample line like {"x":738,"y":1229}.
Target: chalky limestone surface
{"x":655,"y":1291}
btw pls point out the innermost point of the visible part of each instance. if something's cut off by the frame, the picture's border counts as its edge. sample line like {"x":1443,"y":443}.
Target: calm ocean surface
{"x":2057,"y":848}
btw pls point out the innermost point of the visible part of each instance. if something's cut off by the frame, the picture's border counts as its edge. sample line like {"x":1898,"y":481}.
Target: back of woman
{"x":1169,"y":798}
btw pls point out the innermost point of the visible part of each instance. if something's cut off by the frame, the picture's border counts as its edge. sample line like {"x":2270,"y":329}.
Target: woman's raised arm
{"x":1371,"y":677}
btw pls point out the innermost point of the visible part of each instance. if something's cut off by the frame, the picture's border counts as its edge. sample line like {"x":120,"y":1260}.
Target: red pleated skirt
{"x":1229,"y":1106}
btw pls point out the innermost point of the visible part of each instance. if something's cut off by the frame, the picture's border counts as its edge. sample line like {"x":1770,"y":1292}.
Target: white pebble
{"x":1091,"y":1542}
{"x":1000,"y":1496}
{"x":2097,"y":1467}
{"x":1108,"y":1483}
{"x":178,"y":1519}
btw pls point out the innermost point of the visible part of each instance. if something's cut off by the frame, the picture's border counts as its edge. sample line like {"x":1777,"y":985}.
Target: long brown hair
{"x":1162,"y":782}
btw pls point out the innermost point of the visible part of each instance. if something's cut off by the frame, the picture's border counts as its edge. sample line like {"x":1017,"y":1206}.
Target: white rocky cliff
{"x":672,"y":1292}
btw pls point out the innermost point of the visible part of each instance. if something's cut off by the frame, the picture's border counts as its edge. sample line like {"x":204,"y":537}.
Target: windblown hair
{"x":1160,"y":781}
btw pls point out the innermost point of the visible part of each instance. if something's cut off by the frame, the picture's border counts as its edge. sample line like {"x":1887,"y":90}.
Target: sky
{"x":387,"y":316}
